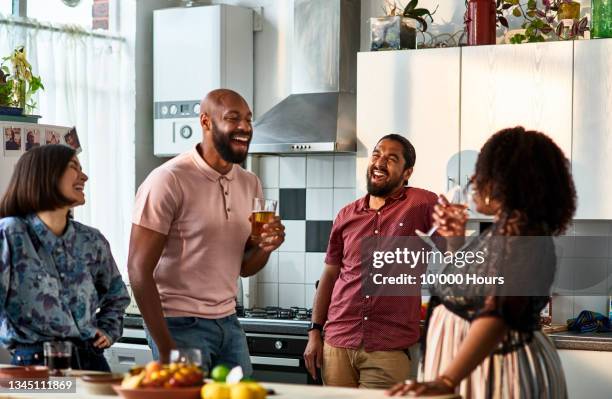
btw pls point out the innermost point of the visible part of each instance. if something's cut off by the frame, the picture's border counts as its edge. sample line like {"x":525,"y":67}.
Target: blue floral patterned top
{"x":57,"y":287}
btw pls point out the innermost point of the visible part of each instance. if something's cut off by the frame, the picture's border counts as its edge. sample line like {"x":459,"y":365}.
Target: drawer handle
{"x":126,"y":359}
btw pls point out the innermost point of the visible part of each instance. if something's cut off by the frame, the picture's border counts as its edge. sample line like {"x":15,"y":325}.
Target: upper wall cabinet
{"x":592,"y":144}
{"x":505,"y":86}
{"x":415,"y":94}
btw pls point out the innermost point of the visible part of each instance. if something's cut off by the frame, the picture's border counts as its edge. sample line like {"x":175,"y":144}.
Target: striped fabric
{"x":531,"y":371}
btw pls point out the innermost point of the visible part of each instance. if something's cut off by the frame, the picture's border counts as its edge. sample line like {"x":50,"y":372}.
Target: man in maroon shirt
{"x":366,"y":337}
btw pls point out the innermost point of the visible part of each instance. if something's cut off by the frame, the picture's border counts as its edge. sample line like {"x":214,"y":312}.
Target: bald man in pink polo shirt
{"x":190,"y":239}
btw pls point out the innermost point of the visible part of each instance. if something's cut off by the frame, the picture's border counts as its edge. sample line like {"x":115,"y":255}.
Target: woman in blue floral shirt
{"x":58,"y":278}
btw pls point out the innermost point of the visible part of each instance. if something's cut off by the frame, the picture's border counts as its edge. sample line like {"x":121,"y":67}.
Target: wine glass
{"x":186,"y":356}
{"x":457,"y":195}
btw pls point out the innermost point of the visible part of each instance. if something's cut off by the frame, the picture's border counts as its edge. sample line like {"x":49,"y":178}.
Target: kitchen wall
{"x":136,"y":24}
{"x":586,"y":268}
{"x":311,"y":189}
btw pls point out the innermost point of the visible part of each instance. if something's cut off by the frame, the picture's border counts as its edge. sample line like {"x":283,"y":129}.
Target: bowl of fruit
{"x":159,"y":381}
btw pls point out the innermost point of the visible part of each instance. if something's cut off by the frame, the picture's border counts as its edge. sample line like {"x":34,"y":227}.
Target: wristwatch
{"x":315,"y":326}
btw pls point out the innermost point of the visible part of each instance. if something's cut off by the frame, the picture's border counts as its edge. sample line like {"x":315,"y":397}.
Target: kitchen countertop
{"x":586,"y":341}
{"x":283,"y":391}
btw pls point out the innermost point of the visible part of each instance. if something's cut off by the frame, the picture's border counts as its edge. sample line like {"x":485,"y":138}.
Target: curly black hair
{"x":528,"y":173}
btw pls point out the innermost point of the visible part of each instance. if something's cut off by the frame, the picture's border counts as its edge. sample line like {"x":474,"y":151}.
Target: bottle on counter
{"x":546,"y":314}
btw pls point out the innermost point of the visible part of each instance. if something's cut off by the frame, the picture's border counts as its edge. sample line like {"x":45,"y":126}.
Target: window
{"x":57,"y":12}
{"x":6,"y":7}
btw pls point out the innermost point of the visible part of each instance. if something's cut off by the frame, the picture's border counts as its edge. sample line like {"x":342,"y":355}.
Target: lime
{"x":219,"y":373}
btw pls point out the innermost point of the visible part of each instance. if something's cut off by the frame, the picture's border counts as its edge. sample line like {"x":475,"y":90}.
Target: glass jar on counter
{"x":602,"y":18}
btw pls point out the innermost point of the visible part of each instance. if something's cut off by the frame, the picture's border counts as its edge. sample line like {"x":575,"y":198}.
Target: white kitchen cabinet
{"x":592,"y":144}
{"x":505,"y":86}
{"x":587,"y":373}
{"x":415,"y":94}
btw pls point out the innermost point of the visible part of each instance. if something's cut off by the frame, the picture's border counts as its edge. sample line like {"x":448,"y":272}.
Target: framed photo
{"x":12,"y":139}
{"x":52,"y":136}
{"x":32,"y":137}
{"x":72,"y":139}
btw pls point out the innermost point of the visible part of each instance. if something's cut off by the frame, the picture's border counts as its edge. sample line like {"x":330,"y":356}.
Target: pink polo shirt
{"x":205,"y":216}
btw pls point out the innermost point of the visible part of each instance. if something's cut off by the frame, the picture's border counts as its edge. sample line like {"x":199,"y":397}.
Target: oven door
{"x":287,"y":370}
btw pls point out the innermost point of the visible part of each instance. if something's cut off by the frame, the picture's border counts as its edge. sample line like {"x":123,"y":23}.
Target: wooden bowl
{"x":21,"y":372}
{"x":159,"y":393}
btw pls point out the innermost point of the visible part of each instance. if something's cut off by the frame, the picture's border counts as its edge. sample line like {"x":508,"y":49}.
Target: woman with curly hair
{"x":486,"y":342}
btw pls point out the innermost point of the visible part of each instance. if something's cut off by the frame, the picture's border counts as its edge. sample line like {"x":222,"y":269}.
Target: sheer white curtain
{"x":89,"y":84}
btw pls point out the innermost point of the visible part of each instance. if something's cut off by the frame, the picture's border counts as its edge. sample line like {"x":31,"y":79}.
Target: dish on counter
{"x":101,"y":383}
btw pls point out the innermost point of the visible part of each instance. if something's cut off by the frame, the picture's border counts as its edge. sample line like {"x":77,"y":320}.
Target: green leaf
{"x":531,"y":4}
{"x":517,"y":12}
{"x":531,"y":13}
{"x":419,"y":12}
{"x":411,"y":6}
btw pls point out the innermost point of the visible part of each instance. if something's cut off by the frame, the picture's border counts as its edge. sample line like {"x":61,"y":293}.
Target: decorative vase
{"x":392,"y":33}
{"x":480,"y":22}
{"x":602,"y":18}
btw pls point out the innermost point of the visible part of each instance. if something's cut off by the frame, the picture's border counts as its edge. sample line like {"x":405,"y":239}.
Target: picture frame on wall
{"x":12,"y":138}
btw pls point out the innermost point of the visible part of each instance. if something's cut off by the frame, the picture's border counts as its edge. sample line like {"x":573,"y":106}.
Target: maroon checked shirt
{"x":376,"y":323}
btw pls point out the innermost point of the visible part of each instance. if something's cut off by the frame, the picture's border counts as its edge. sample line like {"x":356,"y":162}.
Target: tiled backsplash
{"x":311,"y":189}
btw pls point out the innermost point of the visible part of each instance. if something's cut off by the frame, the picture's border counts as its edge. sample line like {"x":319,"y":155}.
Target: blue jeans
{"x":221,"y":341}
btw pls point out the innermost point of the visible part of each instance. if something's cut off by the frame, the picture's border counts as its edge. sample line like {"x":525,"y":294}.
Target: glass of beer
{"x":263,"y":212}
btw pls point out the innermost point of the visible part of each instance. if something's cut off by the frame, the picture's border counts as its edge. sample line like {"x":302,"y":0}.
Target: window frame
{"x":20,"y":8}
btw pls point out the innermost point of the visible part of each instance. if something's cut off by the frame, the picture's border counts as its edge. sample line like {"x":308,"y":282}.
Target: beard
{"x":222,"y":142}
{"x":384,"y":189}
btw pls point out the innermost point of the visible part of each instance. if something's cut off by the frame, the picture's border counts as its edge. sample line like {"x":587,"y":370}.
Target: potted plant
{"x":555,"y":19}
{"x":398,"y":29}
{"x":18,"y":84}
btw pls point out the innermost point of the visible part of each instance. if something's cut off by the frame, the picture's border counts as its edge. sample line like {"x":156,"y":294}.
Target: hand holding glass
{"x":264,"y":211}
{"x":456,"y":195}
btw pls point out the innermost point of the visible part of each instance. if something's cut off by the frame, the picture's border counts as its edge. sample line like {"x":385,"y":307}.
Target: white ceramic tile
{"x":564,"y":277}
{"x":593,"y":303}
{"x":267,"y":294}
{"x":344,"y":171}
{"x":292,"y":172}
{"x":291,"y":295}
{"x":342,"y":197}
{"x":315,"y":263}
{"x":269,"y":274}
{"x":590,"y":276}
{"x":562,"y":308}
{"x":591,"y":246}
{"x":269,"y":171}
{"x":319,"y":203}
{"x":295,"y":236}
{"x":320,"y":171}
{"x":291,"y":267}
{"x":271,"y":193}
{"x":309,"y":295}
{"x":592,"y":227}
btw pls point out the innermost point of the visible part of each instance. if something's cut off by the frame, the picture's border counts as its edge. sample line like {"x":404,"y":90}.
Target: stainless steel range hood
{"x":320,"y":114}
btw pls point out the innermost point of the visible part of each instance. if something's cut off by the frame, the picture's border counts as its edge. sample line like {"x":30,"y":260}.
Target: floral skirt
{"x":530,"y":371}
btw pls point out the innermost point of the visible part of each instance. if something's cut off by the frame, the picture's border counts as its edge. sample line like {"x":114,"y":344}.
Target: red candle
{"x":480,"y":22}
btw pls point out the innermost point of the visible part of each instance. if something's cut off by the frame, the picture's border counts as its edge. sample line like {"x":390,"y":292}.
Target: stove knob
{"x":278,"y":345}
